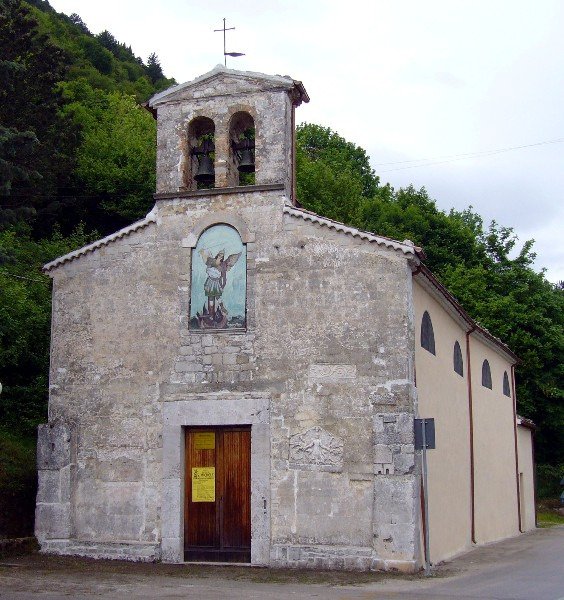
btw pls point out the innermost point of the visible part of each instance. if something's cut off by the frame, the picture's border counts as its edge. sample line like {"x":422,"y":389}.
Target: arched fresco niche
{"x":218,"y":293}
{"x":199,"y":171}
{"x":241,"y":170}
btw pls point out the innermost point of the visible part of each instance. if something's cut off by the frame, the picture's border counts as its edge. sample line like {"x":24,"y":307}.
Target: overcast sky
{"x":406,"y":80}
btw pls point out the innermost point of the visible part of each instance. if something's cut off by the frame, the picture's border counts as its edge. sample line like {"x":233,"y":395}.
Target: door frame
{"x":219,"y":410}
{"x":219,"y":553}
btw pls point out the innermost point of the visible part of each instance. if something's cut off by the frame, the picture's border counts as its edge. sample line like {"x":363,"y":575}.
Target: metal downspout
{"x":471,"y":430}
{"x":293,"y":157}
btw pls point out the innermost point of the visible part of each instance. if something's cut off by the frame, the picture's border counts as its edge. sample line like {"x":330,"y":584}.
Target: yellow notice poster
{"x":203,"y":484}
{"x":204,"y":440}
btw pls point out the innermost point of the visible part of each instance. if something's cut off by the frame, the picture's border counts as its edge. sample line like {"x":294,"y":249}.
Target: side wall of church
{"x":327,"y":358}
{"x":443,"y":395}
{"x":495,"y":482}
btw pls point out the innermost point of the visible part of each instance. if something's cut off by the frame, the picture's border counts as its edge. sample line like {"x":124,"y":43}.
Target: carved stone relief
{"x":331,"y":373}
{"x":316,"y":449}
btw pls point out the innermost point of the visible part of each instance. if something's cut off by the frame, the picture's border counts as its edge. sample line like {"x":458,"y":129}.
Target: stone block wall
{"x":323,"y":372}
{"x":270,"y":109}
{"x":53,"y":508}
{"x":328,"y":343}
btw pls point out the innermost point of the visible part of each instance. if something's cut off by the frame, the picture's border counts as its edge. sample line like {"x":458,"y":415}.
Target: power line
{"x":2,"y":272}
{"x":455,"y":157}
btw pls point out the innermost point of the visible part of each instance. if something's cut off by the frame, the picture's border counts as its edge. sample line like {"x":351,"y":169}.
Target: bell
{"x":246,"y":164}
{"x":205,"y":173}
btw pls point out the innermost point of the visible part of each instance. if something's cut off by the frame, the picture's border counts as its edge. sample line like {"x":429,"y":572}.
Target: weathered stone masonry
{"x":326,"y":362}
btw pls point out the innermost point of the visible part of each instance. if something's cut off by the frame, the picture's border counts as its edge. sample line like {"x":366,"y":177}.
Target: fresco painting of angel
{"x":218,"y":280}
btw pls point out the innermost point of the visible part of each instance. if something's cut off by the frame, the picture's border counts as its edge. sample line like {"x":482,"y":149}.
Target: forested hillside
{"x":77,"y":161}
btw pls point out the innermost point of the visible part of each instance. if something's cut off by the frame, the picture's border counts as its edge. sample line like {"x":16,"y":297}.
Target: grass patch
{"x":549,"y":519}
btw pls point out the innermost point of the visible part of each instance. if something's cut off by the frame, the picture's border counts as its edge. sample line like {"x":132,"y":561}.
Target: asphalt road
{"x":530,"y":567}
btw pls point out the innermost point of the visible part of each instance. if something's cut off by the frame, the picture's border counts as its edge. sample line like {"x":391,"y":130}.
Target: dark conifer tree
{"x":154,"y":69}
{"x":36,"y":143}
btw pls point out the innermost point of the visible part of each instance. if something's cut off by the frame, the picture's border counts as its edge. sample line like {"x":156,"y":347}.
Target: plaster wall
{"x":496,"y":510}
{"x":526,"y":478}
{"x":443,"y":395}
{"x":329,"y":347}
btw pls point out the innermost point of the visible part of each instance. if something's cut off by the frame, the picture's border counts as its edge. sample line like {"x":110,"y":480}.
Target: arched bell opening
{"x":200,"y":173}
{"x":241,"y":170}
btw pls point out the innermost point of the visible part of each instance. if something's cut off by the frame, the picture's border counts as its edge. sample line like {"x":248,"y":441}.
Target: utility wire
{"x":454,"y":157}
{"x":2,"y":272}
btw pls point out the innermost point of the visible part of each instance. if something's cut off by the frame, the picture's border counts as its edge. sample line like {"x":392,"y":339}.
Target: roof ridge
{"x":220,"y":69}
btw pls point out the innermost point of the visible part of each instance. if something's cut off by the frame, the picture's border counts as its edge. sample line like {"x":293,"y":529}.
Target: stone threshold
{"x":220,"y":564}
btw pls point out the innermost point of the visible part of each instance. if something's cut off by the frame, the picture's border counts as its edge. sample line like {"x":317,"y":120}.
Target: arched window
{"x":506,"y":388}
{"x":199,"y":170}
{"x":427,"y":335}
{"x":219,"y":280}
{"x":486,"y":375}
{"x":457,"y":359}
{"x":241,"y":167}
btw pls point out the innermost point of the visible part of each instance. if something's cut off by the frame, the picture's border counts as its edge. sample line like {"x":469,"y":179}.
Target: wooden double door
{"x":217,"y":507}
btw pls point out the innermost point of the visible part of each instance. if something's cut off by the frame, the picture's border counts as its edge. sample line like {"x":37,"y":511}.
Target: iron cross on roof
{"x":225,"y":53}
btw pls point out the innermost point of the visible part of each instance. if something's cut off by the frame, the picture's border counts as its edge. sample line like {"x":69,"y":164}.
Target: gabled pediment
{"x":223,"y":81}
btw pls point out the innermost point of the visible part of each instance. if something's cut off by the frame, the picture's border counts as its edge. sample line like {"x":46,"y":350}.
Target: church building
{"x":235,"y":379}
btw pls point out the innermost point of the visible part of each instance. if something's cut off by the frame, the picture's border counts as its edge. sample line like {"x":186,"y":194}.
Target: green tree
{"x":154,"y":70}
{"x":15,"y":148}
{"x":116,"y":158}
{"x":25,"y":315}
{"x":317,"y":144}
{"x":75,"y":19}
{"x":482,"y":267}
{"x":411,"y":214}
{"x":98,"y":55}
{"x":36,"y":147}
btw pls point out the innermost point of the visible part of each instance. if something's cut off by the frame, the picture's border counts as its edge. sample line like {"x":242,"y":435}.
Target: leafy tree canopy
{"x":116,"y":159}
{"x":25,"y":316}
{"x":482,"y":266}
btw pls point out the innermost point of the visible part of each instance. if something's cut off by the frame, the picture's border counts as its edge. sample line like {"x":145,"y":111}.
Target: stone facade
{"x":323,"y":372}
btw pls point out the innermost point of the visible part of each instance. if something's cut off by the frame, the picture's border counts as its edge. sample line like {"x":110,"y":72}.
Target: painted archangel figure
{"x":215,"y":314}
